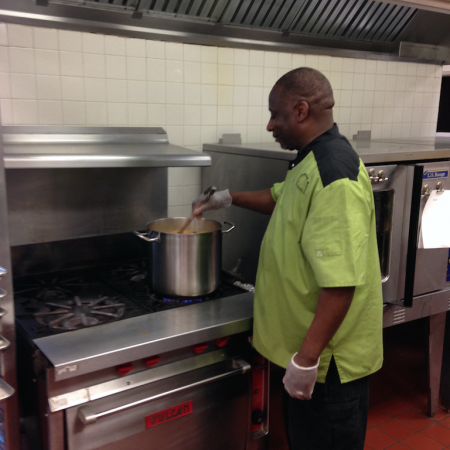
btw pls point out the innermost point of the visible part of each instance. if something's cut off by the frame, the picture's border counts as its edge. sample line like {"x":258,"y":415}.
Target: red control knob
{"x":150,"y":362}
{"x":221,"y":342}
{"x":199,"y":348}
{"x":124,"y":368}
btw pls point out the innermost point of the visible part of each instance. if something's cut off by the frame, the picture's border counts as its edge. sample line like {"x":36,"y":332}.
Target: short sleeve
{"x":336,"y":234}
{"x":276,"y":190}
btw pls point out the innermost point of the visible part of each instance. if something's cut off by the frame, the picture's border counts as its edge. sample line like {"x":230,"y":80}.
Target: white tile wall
{"x":197,"y":93}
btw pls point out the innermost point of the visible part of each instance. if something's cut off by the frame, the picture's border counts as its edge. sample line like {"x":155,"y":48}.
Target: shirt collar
{"x":303,"y":153}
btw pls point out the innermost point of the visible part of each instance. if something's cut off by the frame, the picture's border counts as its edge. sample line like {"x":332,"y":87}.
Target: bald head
{"x":306,"y":84}
{"x":300,"y":106}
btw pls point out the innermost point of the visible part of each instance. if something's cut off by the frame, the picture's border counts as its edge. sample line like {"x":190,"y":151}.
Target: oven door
{"x":431,"y":263}
{"x":199,"y":410}
{"x":392,"y":204}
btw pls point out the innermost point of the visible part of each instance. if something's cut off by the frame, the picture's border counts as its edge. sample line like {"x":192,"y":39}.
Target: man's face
{"x":282,"y":123}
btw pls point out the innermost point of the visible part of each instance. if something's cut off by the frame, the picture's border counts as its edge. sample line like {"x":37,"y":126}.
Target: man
{"x":318,"y":300}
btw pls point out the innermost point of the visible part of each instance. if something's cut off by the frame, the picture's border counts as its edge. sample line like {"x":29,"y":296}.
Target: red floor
{"x":398,"y":398}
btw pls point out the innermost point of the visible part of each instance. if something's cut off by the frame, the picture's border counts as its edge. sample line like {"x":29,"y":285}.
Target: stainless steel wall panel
{"x":244,"y":170}
{"x":47,"y":205}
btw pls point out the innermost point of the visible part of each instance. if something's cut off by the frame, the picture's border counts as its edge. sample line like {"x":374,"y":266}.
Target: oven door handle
{"x":6,"y":391}
{"x":87,"y":416}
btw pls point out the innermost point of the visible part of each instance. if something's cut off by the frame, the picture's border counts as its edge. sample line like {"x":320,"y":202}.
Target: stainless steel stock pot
{"x":187,"y":264}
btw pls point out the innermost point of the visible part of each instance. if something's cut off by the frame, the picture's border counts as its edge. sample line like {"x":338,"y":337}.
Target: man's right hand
{"x":220,"y":199}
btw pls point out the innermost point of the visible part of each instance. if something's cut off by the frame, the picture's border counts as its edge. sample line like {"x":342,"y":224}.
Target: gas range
{"x":54,"y":303}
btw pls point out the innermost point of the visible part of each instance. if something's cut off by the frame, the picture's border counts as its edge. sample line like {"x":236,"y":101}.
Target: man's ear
{"x":301,"y":110}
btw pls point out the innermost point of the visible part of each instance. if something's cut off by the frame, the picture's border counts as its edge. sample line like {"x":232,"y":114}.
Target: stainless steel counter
{"x":119,"y":342}
{"x":377,"y":151}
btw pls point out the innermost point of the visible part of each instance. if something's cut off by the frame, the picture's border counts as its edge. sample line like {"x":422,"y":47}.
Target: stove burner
{"x":182,"y":301}
{"x":133,"y":271}
{"x":78,"y":313}
{"x":57,"y":287}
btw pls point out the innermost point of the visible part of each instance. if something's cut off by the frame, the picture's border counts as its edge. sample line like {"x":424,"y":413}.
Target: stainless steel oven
{"x":431,"y":264}
{"x":392,"y":189}
{"x":105,"y":362}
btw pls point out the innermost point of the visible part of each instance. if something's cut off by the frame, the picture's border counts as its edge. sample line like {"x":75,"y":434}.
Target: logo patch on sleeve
{"x":303,"y":182}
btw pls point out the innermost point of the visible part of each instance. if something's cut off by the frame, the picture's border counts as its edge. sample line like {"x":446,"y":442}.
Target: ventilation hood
{"x":345,"y":27}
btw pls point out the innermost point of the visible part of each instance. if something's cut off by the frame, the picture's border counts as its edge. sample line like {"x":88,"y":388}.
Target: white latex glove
{"x":219,"y":200}
{"x":299,"y":381}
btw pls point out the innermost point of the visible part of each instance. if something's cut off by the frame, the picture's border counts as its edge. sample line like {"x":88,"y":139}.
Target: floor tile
{"x":396,"y":429}
{"x":438,"y":433}
{"x":392,"y":407}
{"x":399,"y":446}
{"x":421,"y":442}
{"x":445,"y":422}
{"x":376,"y":417}
{"x":441,"y":414}
{"x":416,"y":420}
{"x":378,"y":440}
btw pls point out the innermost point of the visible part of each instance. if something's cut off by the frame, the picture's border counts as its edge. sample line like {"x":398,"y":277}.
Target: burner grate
{"x":68,"y":301}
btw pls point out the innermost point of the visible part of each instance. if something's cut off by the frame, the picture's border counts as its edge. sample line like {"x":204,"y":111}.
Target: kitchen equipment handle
{"x":4,"y":343}
{"x":146,"y":238}
{"x":87,"y":416}
{"x":3,"y":272}
{"x":6,"y":391}
{"x":233,"y":226}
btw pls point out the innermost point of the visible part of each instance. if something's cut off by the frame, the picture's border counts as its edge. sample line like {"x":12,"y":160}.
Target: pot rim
{"x":217,"y":223}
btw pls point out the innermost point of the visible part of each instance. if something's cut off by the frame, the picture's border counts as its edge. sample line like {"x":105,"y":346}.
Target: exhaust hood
{"x":347,"y":27}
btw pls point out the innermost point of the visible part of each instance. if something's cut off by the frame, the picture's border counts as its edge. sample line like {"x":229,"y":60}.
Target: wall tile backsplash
{"x":197,"y":93}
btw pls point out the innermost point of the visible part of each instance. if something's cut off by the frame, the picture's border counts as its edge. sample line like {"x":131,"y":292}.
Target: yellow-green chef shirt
{"x":321,"y":234}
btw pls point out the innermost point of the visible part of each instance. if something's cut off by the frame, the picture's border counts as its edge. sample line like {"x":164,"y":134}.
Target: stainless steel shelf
{"x":371,"y":152}
{"x":84,"y":147}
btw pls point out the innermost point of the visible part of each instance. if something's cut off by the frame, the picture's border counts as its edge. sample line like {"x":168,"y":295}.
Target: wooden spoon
{"x":210,"y":191}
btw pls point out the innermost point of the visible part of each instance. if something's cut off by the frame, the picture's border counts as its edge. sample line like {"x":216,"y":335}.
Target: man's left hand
{"x":299,"y":381}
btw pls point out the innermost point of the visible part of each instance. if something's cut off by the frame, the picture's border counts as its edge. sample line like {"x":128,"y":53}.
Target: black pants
{"x":334,"y":419}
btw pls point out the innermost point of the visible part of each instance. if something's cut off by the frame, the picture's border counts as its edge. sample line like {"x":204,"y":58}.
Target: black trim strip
{"x":413,"y":236}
